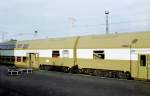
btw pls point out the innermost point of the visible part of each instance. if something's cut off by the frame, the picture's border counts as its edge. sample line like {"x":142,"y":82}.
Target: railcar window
{"x":24,"y":59}
{"x":18,"y":59}
{"x":19,"y":45}
{"x":55,"y":54}
{"x":0,"y":58}
{"x":65,"y":53}
{"x":98,"y":54}
{"x":25,"y":46}
{"x":143,"y":60}
{"x":8,"y":58}
{"x":4,"y":58}
{"x":12,"y":58}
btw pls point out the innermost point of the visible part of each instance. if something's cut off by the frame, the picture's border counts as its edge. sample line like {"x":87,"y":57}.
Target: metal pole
{"x":132,"y":42}
{"x":3,"y":36}
{"x":107,"y":24}
{"x":35,"y":33}
{"x":130,"y":60}
{"x":72,"y":24}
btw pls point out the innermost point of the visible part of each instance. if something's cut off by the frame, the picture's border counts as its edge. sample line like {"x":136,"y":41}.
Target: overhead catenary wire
{"x":115,"y":23}
{"x":10,"y":34}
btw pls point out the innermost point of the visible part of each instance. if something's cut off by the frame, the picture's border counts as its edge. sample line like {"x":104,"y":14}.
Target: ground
{"x":48,"y":83}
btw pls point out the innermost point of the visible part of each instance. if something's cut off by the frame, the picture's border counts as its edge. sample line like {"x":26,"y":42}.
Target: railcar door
{"x":143,"y":68}
{"x":148,"y":66}
{"x":32,"y":59}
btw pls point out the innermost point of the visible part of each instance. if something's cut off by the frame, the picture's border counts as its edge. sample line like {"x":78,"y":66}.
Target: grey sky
{"x":19,"y":18}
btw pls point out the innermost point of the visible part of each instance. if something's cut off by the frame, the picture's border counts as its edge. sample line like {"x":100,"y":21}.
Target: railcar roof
{"x":120,"y":40}
{"x":50,"y":43}
{"x":8,"y":42}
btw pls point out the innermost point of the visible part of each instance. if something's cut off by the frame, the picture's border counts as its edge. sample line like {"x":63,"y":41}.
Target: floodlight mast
{"x":35,"y":32}
{"x":107,"y":23}
{"x":72,"y":23}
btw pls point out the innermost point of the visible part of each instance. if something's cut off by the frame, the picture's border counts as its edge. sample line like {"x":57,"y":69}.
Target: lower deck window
{"x":8,"y":58}
{"x":142,"y":60}
{"x":18,"y":59}
{"x":55,"y":54}
{"x":4,"y":58}
{"x":12,"y":58}
{"x":98,"y":54}
{"x":65,"y":53}
{"x":24,"y":59}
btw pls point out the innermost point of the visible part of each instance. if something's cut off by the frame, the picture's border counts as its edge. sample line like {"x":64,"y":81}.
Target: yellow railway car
{"x":124,"y":55}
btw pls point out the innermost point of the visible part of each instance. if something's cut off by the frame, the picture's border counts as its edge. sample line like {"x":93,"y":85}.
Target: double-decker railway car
{"x":7,"y":52}
{"x":125,"y":55}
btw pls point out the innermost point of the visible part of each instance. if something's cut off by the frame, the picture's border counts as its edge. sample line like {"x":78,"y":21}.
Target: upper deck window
{"x":25,"y":46}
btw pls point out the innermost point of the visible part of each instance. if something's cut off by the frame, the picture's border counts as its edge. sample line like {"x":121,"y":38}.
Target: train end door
{"x":33,"y":60}
{"x":144,"y":66}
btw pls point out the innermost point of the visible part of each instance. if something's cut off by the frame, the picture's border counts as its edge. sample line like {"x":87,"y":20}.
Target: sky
{"x":62,"y":18}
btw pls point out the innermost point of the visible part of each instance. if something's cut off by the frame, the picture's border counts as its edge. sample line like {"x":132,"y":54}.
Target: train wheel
{"x":66,"y":69}
{"x":110,"y":74}
{"x":40,"y":67}
{"x":128,"y":75}
{"x":121,"y":75}
{"x":74,"y":69}
{"x":81,"y":71}
{"x":95,"y":72}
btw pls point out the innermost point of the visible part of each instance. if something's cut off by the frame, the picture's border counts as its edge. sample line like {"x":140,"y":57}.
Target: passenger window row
{"x":13,"y":59}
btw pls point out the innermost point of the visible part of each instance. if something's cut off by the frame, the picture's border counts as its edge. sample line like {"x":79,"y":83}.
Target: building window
{"x":18,"y":59}
{"x":142,"y":60}
{"x":65,"y":53}
{"x":98,"y":54}
{"x":55,"y":54}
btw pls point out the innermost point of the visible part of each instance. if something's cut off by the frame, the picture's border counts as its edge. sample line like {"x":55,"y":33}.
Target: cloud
{"x":51,"y":17}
